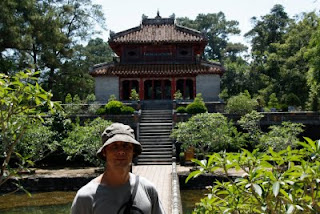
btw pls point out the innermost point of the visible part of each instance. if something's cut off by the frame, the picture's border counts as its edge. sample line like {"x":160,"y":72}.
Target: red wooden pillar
{"x":184,"y":88}
{"x":141,"y":89}
{"x":162,"y":89}
{"x":194,"y":87}
{"x":152,"y":96}
{"x":120,"y":89}
{"x":173,"y":87}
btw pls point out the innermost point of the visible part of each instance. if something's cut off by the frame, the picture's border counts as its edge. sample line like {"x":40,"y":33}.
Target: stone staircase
{"x":154,"y":131}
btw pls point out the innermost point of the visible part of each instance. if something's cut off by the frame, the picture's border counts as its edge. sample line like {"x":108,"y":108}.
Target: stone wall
{"x":209,"y":86}
{"x":105,"y":86}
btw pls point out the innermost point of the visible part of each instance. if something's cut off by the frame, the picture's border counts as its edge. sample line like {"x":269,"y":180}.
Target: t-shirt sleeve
{"x":157,"y":207}
{"x":156,"y":203}
{"x":82,"y":204}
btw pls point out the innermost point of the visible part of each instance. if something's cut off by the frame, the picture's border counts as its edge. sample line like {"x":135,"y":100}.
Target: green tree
{"x":272,"y":182}
{"x":208,"y":132}
{"x":269,"y":29}
{"x":74,"y":77}
{"x":217,"y":29}
{"x":280,"y":137}
{"x":48,"y":32}
{"x":22,"y":101}
{"x":313,"y":75}
{"x":241,"y":104}
{"x":84,"y":141}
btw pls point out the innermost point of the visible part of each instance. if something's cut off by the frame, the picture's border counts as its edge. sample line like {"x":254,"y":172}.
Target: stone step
{"x":155,"y":124}
{"x":155,"y":141}
{"x":156,"y":115}
{"x":156,"y":149}
{"x":156,"y":128}
{"x":156,"y":145}
{"x":155,"y":156}
{"x":153,"y":134}
{"x":154,"y":120}
{"x":156,"y":153}
{"x":156,"y":111}
{"x":155,"y":163}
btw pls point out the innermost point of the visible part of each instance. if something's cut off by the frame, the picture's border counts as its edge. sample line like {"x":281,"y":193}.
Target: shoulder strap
{"x":134,"y":192}
{"x":128,"y":205}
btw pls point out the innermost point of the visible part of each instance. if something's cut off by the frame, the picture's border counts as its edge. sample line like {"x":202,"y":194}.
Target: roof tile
{"x":156,"y":69}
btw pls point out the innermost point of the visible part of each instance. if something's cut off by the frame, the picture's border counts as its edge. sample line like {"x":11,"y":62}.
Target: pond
{"x":189,"y":198}
{"x":60,"y":202}
{"x":38,"y":203}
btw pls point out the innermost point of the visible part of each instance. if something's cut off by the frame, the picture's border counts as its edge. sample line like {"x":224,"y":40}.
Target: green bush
{"x":84,"y":141}
{"x":37,"y":143}
{"x":101,"y":110}
{"x":197,"y":106}
{"x":241,"y":104}
{"x":114,"y":107}
{"x":134,"y":96}
{"x":177,"y":95}
{"x":181,"y":109}
{"x":208,"y":132}
{"x":272,"y":182}
{"x":127,"y":110}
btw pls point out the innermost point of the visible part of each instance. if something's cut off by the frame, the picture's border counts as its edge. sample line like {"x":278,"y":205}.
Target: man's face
{"x":119,"y":154}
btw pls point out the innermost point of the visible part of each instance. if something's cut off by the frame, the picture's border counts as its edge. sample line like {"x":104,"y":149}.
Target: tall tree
{"x":269,"y":29}
{"x":217,"y":29}
{"x":49,"y":32}
{"x":74,"y":77}
{"x":313,"y":75}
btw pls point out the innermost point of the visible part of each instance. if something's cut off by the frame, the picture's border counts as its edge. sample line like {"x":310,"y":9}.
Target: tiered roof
{"x":136,"y":70}
{"x":157,"y":30}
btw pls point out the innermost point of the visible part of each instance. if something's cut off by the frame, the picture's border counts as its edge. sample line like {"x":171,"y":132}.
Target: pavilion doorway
{"x":157,"y":89}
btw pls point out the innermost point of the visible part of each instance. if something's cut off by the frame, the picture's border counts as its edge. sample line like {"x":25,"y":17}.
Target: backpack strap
{"x":134,"y":192}
{"x":128,"y":205}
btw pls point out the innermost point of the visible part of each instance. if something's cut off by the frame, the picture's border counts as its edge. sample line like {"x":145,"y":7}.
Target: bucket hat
{"x":118,"y":132}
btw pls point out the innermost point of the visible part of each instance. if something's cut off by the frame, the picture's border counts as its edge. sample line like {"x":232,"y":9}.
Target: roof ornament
{"x":158,"y":15}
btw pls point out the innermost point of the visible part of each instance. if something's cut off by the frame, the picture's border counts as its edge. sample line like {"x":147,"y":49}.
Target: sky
{"x":124,"y":14}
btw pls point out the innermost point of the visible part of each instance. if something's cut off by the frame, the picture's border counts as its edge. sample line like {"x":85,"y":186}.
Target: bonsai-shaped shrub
{"x":127,"y":110}
{"x":177,"y":95}
{"x":112,"y":98}
{"x":197,"y":106}
{"x":241,"y":104}
{"x":181,"y":109}
{"x":134,"y":96}
{"x":273,"y":101}
{"x":114,"y":107}
{"x":101,"y":110}
{"x":207,"y":133}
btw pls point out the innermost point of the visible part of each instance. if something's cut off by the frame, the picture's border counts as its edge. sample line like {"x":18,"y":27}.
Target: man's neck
{"x":115,"y":177}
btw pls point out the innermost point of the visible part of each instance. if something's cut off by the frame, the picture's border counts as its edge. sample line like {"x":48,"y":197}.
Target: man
{"x":117,"y":190}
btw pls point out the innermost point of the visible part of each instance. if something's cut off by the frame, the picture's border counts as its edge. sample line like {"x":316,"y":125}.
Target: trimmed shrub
{"x":101,"y":110}
{"x":181,"y":109}
{"x":134,"y":96}
{"x":197,"y":106}
{"x":127,"y":110}
{"x":241,"y":104}
{"x":114,"y":107}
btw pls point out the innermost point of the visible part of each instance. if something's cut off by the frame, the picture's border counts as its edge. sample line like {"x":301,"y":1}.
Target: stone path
{"x":160,"y":176}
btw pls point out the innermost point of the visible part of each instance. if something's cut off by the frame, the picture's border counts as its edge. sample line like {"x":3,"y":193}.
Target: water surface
{"x":189,"y":198}
{"x":38,"y":203}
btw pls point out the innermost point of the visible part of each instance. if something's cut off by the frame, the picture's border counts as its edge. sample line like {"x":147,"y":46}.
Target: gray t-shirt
{"x":95,"y":198}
